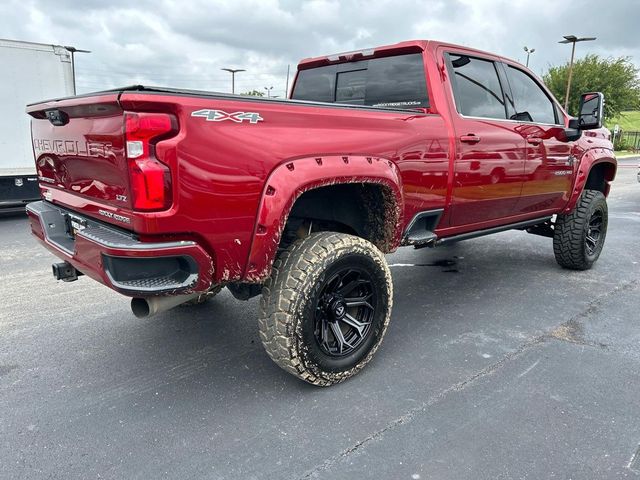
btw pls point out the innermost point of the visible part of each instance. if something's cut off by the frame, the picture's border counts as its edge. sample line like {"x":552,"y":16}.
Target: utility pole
{"x":268,"y":89}
{"x":233,"y":72}
{"x":73,"y":50}
{"x":572,"y":39}
{"x":529,"y":52}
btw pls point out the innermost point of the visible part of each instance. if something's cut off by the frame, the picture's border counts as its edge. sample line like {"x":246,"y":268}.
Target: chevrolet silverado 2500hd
{"x":168,"y":196}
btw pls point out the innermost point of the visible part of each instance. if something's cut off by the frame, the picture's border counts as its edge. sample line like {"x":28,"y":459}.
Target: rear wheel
{"x":326,"y":307}
{"x":579,"y":236}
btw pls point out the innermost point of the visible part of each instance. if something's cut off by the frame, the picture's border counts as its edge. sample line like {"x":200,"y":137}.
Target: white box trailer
{"x":31,"y":72}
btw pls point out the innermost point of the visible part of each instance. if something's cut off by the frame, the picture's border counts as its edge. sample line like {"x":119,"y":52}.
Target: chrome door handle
{"x":470,"y":138}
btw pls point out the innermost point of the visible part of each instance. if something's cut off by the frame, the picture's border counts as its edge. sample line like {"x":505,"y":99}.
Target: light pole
{"x":233,"y":72}
{"x":529,"y":52}
{"x":573,"y":40}
{"x":268,"y":89}
{"x":73,"y":50}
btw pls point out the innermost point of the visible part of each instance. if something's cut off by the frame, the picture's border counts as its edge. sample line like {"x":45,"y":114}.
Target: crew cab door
{"x":548,"y":173}
{"x":490,"y":151}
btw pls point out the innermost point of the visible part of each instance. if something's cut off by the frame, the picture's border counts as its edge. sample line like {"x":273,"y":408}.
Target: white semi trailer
{"x":31,"y":72}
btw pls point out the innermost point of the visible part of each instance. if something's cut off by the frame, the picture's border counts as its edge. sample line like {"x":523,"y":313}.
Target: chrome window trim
{"x":511,"y":121}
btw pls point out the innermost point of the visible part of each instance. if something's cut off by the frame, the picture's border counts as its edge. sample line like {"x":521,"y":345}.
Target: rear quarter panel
{"x":221,"y":167}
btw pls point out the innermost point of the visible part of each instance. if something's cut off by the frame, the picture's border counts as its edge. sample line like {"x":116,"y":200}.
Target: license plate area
{"x":74,"y":224}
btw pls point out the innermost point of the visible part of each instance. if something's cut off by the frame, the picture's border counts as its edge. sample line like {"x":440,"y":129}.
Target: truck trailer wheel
{"x":579,"y":236}
{"x":326,"y":307}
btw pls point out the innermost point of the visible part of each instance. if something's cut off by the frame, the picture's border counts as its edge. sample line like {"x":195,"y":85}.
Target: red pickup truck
{"x":168,"y":196}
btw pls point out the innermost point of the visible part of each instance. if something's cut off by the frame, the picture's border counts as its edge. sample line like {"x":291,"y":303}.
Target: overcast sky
{"x":184,"y":44}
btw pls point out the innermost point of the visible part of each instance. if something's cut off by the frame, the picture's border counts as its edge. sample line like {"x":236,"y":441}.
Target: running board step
{"x":421,"y":239}
{"x":419,"y":232}
{"x":527,"y":224}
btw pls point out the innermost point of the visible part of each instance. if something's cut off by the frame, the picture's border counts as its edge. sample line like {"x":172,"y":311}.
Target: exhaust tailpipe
{"x":145,"y":307}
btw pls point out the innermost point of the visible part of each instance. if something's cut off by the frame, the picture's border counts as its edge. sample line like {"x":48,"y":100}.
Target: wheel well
{"x":598,"y":177}
{"x":366,"y":210}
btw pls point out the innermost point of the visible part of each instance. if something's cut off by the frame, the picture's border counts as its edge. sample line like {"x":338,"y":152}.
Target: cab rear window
{"x":394,"y":82}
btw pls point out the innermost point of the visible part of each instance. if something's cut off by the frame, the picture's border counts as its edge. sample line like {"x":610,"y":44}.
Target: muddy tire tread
{"x":282,"y":298}
{"x":568,"y":238}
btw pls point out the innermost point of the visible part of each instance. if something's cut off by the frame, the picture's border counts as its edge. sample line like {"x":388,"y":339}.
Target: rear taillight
{"x":150,"y":178}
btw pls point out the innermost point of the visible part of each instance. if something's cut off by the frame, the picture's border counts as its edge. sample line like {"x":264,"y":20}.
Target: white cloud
{"x":184,"y":44}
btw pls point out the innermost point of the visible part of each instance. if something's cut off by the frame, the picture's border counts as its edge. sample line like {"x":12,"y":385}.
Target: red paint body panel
{"x":290,"y":180}
{"x":221,"y":170}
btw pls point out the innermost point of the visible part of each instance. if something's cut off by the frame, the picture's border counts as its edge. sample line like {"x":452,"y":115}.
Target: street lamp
{"x":573,"y":40}
{"x":268,"y":89}
{"x":529,"y":52}
{"x":233,"y":72}
{"x":73,"y":50}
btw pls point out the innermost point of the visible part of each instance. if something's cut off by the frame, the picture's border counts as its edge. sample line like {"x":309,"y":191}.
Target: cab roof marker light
{"x":365,"y":53}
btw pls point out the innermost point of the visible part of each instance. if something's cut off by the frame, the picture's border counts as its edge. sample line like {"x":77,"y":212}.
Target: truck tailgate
{"x":79,"y":147}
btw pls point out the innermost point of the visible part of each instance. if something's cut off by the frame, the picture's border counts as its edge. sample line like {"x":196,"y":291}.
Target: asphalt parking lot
{"x":497,"y":364}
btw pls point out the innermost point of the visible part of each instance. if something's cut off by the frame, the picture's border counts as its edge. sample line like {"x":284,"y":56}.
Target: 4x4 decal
{"x":219,"y":116}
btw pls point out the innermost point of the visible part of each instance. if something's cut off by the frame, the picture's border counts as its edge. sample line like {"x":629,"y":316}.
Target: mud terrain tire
{"x":579,"y":236}
{"x":326,"y":307}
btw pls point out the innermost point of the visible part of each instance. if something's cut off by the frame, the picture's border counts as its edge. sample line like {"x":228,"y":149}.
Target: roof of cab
{"x":410,"y":46}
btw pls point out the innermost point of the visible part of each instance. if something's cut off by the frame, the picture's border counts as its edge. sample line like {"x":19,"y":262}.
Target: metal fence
{"x":627,"y":141}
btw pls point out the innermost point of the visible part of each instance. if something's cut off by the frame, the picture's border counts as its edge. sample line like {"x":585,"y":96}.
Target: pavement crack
{"x":411,"y":414}
{"x":570,"y":331}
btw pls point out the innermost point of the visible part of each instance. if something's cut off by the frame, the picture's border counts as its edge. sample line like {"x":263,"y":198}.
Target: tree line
{"x":617,"y":78}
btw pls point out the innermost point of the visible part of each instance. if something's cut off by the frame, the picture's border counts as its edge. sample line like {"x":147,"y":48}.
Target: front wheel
{"x":578,"y":237}
{"x":326,"y":307}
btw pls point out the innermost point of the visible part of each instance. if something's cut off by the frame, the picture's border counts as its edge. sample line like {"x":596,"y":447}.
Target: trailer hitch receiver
{"x":65,"y":271}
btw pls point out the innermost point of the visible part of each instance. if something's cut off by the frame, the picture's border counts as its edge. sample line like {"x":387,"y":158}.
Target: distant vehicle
{"x":169,"y":195}
{"x":30,"y":71}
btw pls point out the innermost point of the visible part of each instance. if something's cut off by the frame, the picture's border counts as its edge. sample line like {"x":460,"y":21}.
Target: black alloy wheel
{"x":594,"y":232}
{"x":345,"y":311}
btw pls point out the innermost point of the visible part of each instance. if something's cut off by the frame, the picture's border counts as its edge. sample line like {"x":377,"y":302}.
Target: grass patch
{"x":628,"y":121}
{"x":625,"y":153}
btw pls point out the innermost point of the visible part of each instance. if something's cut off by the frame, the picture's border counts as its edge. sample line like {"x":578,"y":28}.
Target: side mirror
{"x":591,"y":111}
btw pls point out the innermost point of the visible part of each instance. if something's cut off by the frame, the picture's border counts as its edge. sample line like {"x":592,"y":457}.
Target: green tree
{"x":617,"y":78}
{"x":253,"y":93}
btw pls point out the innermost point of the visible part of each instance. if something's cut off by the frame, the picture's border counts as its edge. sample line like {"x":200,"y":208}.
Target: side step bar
{"x":488,"y":231}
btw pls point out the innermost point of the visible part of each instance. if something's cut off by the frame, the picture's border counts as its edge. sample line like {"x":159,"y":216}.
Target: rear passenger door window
{"x":476,"y":87}
{"x":530,"y":101}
